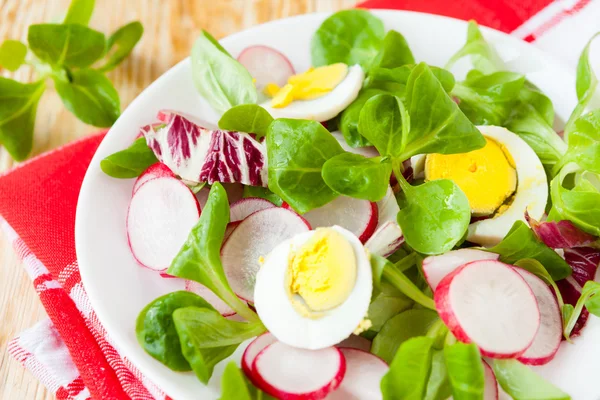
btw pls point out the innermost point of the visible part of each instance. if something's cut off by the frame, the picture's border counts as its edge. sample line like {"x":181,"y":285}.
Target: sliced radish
{"x":208,"y":295}
{"x":161,"y":214}
{"x":253,"y":349}
{"x":488,"y":303}
{"x":244,"y":207}
{"x":202,"y":196}
{"x":387,"y":208}
{"x":364,"y":372}
{"x":266,"y":65}
{"x":158,"y":170}
{"x":356,"y":342}
{"x":490,"y":391}
{"x":235,"y":191}
{"x":255,"y":237}
{"x":368,"y":151}
{"x":291,"y":373}
{"x":548,"y":338}
{"x":358,"y":216}
{"x":435,"y":268}
{"x":386,"y":239}
{"x":230,"y":227}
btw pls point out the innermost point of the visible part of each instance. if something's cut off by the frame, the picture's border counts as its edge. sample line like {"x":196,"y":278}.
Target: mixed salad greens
{"x":360,"y":184}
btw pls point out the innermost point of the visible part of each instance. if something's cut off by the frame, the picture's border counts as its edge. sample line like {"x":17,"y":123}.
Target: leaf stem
{"x":406,"y":263}
{"x":401,"y":282}
{"x":397,"y":169}
{"x":240,"y":307}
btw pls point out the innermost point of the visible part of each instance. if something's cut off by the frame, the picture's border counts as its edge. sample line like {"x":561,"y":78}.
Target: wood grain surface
{"x":170,"y":29}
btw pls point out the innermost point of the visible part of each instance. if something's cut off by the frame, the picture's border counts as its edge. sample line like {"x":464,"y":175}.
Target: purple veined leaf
{"x":584,"y":262}
{"x":198,"y":154}
{"x":561,"y":234}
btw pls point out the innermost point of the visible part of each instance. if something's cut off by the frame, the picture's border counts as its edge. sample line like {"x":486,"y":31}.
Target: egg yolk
{"x":487,"y":176}
{"x":311,"y":84}
{"x":322,"y":272}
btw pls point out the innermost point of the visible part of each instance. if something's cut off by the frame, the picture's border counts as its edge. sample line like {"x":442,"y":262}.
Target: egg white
{"x":279,"y":316}
{"x":531,"y":195}
{"x":325,"y":107}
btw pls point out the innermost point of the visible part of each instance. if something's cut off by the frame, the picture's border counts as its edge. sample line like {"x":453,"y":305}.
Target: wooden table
{"x":170,"y":29}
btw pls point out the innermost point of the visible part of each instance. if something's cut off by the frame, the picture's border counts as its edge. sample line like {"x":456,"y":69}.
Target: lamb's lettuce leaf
{"x":235,"y":386}
{"x":357,"y":176}
{"x":465,"y":371}
{"x":129,"y":163}
{"x":394,"y":52}
{"x":521,"y":383}
{"x":249,"y":118}
{"x":483,"y":56}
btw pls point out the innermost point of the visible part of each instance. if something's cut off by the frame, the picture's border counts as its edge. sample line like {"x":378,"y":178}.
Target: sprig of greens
{"x":66,"y":53}
{"x":590,"y":300}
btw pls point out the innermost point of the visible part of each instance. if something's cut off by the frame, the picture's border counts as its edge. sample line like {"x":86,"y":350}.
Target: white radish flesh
{"x":210,"y":297}
{"x":266,"y":65}
{"x":364,"y":372}
{"x":291,"y":373}
{"x":490,"y":304}
{"x":253,"y":349}
{"x":387,"y":208}
{"x":161,"y":214}
{"x":158,"y":170}
{"x":230,"y":228}
{"x":546,"y":342}
{"x":386,"y":239}
{"x":490,"y":391}
{"x":244,"y":207}
{"x":358,"y":216}
{"x":255,"y":237}
{"x":435,"y":268}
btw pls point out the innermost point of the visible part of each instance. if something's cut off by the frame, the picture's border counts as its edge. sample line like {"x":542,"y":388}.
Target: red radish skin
{"x":490,"y":304}
{"x":158,"y":170}
{"x":266,"y":65}
{"x":364,"y":372}
{"x":161,"y":214}
{"x":356,"y":342}
{"x":208,"y":295}
{"x":253,"y":349}
{"x":290,"y":373}
{"x":358,"y":216}
{"x":549,"y":336}
{"x":490,"y":391}
{"x":435,"y":268}
{"x":253,"y":238}
{"x":244,"y":207}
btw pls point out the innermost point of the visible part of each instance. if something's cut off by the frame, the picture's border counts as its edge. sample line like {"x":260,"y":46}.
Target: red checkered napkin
{"x":71,"y":352}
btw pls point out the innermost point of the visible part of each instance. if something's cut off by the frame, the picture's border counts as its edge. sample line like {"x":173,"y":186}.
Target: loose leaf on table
{"x":350,"y":118}
{"x":350,"y":37}
{"x":399,"y":75}
{"x":465,"y":371}
{"x":356,"y":176}
{"x":399,"y":329}
{"x":156,"y":331}
{"x":207,"y":337}
{"x":80,"y":12}
{"x":394,"y":52}
{"x":249,"y":118}
{"x":91,"y":96}
{"x":263,"y":193}
{"x":436,"y":123}
{"x":520,"y":242}
{"x":585,"y":86}
{"x":522,"y":383}
{"x":235,"y":386}
{"x":219,"y":78}
{"x":70,"y":45}
{"x":433,"y":216}
{"x":584,"y":143}
{"x":297,"y":150}
{"x":580,"y":205}
{"x":12,"y":54}
{"x":438,"y":386}
{"x":385,"y":271}
{"x":484,"y":57}
{"x":18,"y":105}
{"x":590,"y":299}
{"x":409,"y":371}
{"x":199,"y":259}
{"x":121,"y":43}
{"x":131,"y":162}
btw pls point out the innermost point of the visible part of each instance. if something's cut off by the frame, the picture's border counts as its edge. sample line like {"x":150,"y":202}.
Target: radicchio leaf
{"x":198,"y":154}
{"x":560,"y":234}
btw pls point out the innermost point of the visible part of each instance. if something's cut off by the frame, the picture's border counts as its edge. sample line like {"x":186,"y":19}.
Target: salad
{"x":371,"y":228}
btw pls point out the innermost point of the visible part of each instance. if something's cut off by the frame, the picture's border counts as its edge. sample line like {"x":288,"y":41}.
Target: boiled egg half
{"x":317,"y":94}
{"x":503,"y":180}
{"x":314,"y":290}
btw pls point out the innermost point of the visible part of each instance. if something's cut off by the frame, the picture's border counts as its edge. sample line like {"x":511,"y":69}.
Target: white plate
{"x":118,"y":288}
